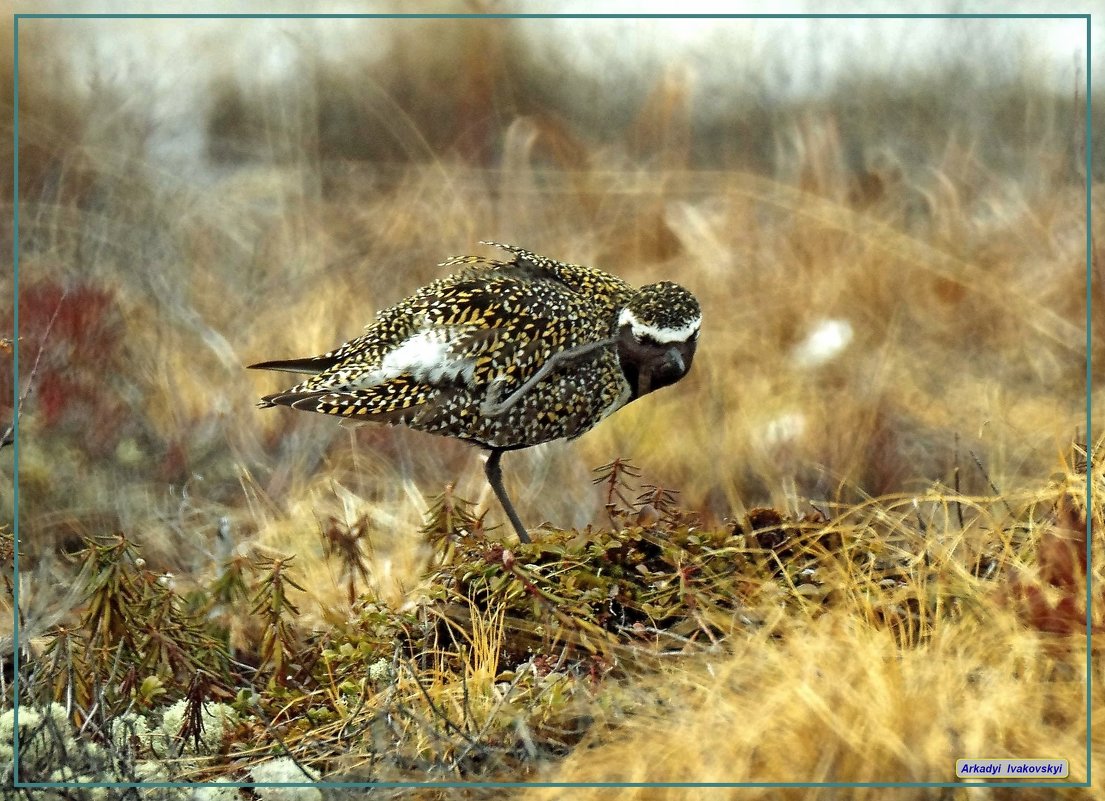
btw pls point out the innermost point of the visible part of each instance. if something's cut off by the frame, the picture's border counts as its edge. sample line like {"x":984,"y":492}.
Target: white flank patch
{"x":427,"y":356}
{"x":660,"y":335}
{"x":825,"y":342}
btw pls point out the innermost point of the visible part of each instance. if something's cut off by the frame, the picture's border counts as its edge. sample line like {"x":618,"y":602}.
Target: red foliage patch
{"x":1060,"y":567}
{"x":75,"y":334}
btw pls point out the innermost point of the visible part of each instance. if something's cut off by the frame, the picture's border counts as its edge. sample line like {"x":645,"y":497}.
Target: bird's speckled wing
{"x":607,"y":292}
{"x":438,"y":360}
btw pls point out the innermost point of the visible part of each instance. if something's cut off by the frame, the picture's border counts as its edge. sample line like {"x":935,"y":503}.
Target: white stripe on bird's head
{"x":657,"y":334}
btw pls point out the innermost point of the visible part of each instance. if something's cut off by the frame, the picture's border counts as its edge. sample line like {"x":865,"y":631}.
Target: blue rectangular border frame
{"x":336,"y":785}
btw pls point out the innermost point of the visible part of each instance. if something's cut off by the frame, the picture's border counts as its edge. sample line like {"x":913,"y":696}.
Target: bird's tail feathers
{"x":312,"y":364}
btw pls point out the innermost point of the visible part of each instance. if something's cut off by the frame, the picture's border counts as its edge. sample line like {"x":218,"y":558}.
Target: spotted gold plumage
{"x":505,"y":353}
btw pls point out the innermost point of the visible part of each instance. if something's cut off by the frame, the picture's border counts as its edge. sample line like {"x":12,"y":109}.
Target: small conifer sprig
{"x":135,"y":632}
{"x":271,"y":604}
{"x":346,"y":542}
{"x":613,"y":475}
{"x":451,"y":517}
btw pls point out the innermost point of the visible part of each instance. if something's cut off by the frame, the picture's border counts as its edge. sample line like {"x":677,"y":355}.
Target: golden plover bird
{"x":505,"y":355}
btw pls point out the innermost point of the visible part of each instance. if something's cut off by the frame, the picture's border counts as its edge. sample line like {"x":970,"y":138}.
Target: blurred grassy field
{"x":944,"y":234}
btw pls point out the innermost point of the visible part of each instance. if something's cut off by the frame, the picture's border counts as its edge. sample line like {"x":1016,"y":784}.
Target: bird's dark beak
{"x":675,"y":361}
{"x":665,"y":371}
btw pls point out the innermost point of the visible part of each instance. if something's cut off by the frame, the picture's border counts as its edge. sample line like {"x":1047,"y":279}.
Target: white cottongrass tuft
{"x":827,"y":340}
{"x":782,"y":429}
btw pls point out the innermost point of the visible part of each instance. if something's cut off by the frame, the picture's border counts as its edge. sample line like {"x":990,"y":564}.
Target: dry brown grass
{"x":961,"y":272}
{"x":840,"y":701}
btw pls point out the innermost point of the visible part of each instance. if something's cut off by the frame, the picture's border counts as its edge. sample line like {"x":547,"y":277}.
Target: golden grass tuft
{"x":834,"y":700}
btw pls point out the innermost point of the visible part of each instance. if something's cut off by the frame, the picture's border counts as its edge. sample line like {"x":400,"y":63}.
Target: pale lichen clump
{"x":284,"y":770}
{"x":225,"y":791}
{"x":164,"y":739}
{"x":48,"y":746}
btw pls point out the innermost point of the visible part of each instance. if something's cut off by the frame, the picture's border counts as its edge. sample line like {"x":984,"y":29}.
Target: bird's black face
{"x":649,"y":365}
{"x":657,"y":336}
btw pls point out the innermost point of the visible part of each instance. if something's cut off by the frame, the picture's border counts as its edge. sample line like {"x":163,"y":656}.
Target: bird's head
{"x":657,"y":336}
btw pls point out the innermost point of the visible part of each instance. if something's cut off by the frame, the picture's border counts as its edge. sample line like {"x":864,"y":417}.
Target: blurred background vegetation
{"x":884,"y":221}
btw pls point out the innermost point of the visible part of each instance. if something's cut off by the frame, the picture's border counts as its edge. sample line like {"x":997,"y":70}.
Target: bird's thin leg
{"x":495,"y":479}
{"x":494,"y":409}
